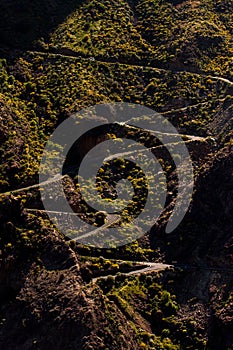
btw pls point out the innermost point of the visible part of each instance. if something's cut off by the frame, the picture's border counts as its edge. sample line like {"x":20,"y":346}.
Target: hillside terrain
{"x":58,"y":57}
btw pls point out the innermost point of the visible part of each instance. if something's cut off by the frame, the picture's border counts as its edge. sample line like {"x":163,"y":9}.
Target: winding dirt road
{"x":150,"y":267}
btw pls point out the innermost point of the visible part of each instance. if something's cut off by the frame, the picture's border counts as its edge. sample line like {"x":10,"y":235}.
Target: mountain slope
{"x":58,"y":57}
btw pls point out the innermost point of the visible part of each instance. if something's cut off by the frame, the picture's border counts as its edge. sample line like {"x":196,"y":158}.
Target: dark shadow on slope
{"x":204,"y":238}
{"x":24,"y":22}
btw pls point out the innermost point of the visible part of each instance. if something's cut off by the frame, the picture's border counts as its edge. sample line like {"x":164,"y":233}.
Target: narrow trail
{"x":110,"y":220}
{"x":183,"y":109}
{"x":74,"y":55}
{"x":223,"y":79}
{"x":150,"y":267}
{"x":157,"y":267}
{"x":60,"y":177}
{"x":48,"y":211}
{"x":28,"y":188}
{"x":191,"y":137}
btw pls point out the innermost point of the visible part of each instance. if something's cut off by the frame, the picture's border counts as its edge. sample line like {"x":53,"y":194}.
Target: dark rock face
{"x":213,"y":207}
{"x":44,"y":301}
{"x":48,"y":306}
{"x":205,"y":235}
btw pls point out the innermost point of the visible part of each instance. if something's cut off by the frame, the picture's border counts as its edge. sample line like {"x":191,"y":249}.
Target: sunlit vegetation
{"x":39,"y":91}
{"x":167,"y":55}
{"x":158,"y":306}
{"x":162,"y":33}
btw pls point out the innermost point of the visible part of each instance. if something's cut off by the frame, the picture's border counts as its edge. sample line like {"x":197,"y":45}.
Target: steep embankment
{"x":205,"y":235}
